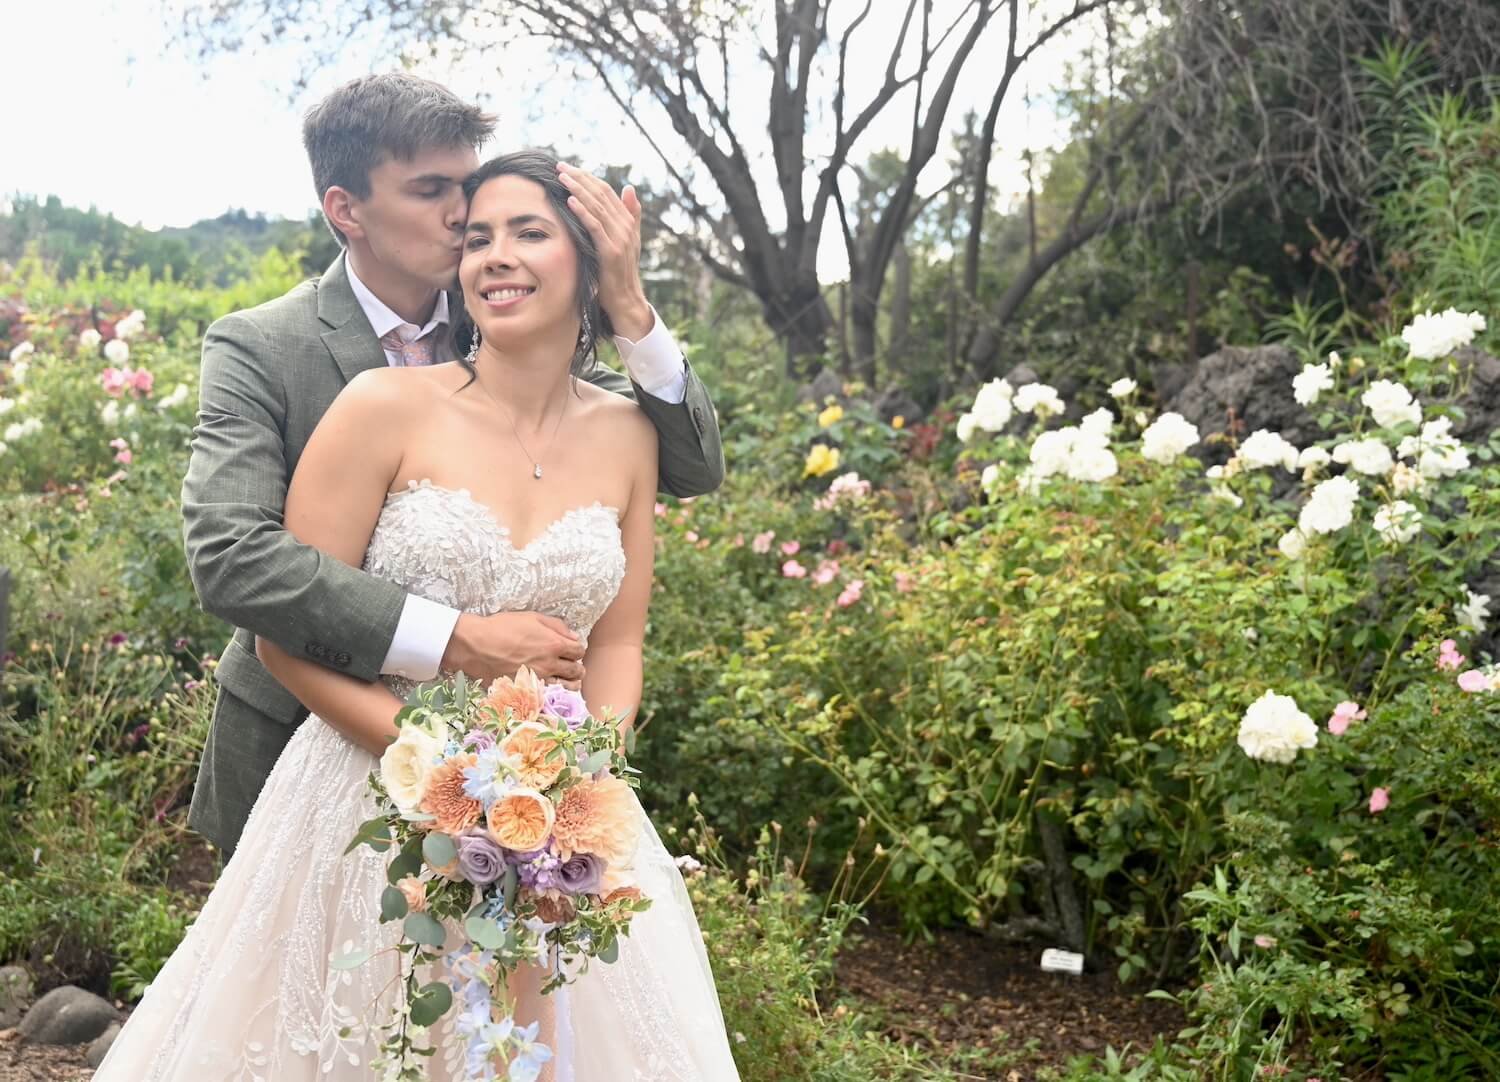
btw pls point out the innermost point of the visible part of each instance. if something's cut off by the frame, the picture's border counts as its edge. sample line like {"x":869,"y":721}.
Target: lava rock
{"x":1250,"y":387}
{"x":16,"y":991}
{"x":99,"y":1046}
{"x":68,"y":1015}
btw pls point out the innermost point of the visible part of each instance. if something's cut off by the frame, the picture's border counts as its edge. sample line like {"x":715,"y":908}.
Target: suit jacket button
{"x":314,"y":649}
{"x":341,"y":659}
{"x":698,"y":419}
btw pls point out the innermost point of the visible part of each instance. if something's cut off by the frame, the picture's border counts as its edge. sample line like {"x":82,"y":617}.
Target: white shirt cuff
{"x":421,"y":638}
{"x":655,"y":362}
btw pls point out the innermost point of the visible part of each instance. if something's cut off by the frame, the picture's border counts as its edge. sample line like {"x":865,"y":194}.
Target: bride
{"x":500,"y":482}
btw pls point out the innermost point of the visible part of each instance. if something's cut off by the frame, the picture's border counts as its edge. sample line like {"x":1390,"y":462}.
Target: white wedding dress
{"x":250,"y":995}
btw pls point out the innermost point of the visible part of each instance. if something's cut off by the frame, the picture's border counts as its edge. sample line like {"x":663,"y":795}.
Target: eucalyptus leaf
{"x":508,"y":886}
{"x":594,"y":761}
{"x":353,"y":960}
{"x":422,"y":928}
{"x":485,"y":933}
{"x":372,"y":832}
{"x":407,"y":863}
{"x":610,"y":952}
{"x":392,"y":904}
{"x":431,"y":1003}
{"x":438,"y":850}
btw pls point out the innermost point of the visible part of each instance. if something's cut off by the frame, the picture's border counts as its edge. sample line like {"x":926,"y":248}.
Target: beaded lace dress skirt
{"x":250,"y":995}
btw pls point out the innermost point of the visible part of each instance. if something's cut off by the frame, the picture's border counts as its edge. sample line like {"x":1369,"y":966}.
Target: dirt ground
{"x":969,"y":998}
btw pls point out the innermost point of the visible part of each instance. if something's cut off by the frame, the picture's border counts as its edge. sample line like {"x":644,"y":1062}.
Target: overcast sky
{"x":103,"y":111}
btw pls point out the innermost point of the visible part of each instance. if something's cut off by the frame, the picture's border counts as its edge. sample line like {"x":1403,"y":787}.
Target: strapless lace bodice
{"x":444,"y":545}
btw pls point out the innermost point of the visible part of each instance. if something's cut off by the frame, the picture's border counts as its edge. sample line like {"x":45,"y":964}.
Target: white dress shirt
{"x":656,"y":365}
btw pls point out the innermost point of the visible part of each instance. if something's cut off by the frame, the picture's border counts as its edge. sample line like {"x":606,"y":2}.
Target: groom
{"x":388,"y":153}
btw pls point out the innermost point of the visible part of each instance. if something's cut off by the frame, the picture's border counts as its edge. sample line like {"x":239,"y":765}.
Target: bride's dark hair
{"x":540,"y":167}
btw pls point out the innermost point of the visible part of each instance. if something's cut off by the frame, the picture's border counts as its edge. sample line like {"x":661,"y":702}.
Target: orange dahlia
{"x":598,"y":817}
{"x":521,"y":696}
{"x":452,"y":809}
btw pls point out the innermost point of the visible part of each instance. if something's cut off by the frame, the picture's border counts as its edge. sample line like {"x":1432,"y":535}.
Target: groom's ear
{"x":338,"y":208}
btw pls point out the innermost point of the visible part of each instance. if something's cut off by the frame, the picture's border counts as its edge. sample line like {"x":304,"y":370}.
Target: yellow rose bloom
{"x":898,"y":421}
{"x":820,"y":460}
{"x":831,"y":415}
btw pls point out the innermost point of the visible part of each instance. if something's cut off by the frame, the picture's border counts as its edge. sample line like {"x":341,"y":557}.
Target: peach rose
{"x":452,"y":809}
{"x":521,"y":820}
{"x":554,"y":908}
{"x":415,"y":893}
{"x":598,"y":817}
{"x":624,"y":894}
{"x":521,"y":696}
{"x":528,"y":749}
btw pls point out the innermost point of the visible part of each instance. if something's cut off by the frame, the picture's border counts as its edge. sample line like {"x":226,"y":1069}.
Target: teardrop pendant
{"x":537,"y":472}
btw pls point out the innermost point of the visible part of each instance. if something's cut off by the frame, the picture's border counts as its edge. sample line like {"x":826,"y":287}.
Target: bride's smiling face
{"x":519,"y":270}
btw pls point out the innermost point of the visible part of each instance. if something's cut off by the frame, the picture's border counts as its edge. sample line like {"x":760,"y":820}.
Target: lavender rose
{"x":581,"y":874}
{"x":564,"y":704}
{"x":479,"y":858}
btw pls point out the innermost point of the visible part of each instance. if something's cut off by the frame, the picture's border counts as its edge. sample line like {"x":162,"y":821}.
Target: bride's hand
{"x":486,"y":647}
{"x":614,"y":221}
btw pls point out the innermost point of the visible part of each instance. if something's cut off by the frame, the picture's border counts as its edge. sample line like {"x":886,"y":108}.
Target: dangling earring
{"x":586,"y":332}
{"x":473,"y":348}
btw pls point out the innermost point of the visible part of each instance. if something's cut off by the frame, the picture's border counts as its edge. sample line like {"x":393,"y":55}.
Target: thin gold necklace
{"x":536,"y":465}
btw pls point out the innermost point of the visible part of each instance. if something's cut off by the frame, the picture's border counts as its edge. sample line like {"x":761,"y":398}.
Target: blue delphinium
{"x":530,"y":1055}
{"x":488,"y":779}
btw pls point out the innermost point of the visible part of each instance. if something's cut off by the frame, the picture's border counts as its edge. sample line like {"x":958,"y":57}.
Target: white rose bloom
{"x":1313,"y":458}
{"x":178,"y":396}
{"x":6,"y":405}
{"x":1429,"y":336}
{"x":405,"y":765}
{"x":1140,"y":418}
{"x":1368,"y":456}
{"x":1169,"y":436}
{"x":1273,"y":729}
{"x":1391,"y":404}
{"x":21,"y":429}
{"x":990,"y":475}
{"x":1405,"y":480}
{"x":109,"y":413}
{"x":24,"y":349}
{"x":1265,"y":449}
{"x":1330,"y":507}
{"x":966,"y":426}
{"x":1312,"y":381}
{"x":1334,"y":360}
{"x":3,"y":448}
{"x":1098,"y":424}
{"x":1474,"y":612}
{"x":1398,"y":522}
{"x":992,"y":408}
{"x":1225,"y":494}
{"x":1051,"y":451}
{"x":116,"y":351}
{"x":18,"y":372}
{"x":1437,"y":453}
{"x":1038,"y":398}
{"x":131,"y":325}
{"x":89,"y":339}
{"x":1028,"y":482}
{"x":1092,"y":462}
{"x":1293,"y":544}
{"x":1122,"y":388}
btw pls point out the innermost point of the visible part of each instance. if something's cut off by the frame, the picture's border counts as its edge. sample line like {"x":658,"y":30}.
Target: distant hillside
{"x":215,"y":251}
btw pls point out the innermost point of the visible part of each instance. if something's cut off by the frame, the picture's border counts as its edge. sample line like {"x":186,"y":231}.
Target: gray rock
{"x":1481,"y":401}
{"x":895,"y":402}
{"x":99,"y":1046}
{"x":16,"y":991}
{"x":67,"y":1015}
{"x":1249,"y":387}
{"x":826,"y":384}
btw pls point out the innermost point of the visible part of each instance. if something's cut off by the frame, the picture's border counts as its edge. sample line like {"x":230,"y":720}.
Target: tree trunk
{"x":799,"y":316}
{"x":864,"y":309}
{"x":900,"y":340}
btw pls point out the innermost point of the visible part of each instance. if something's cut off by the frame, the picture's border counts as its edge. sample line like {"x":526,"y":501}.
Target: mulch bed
{"x":40,"y":1062}
{"x":964,"y":994}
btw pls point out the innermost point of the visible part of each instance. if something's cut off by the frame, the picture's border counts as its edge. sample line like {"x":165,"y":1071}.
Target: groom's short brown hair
{"x":375,"y":117}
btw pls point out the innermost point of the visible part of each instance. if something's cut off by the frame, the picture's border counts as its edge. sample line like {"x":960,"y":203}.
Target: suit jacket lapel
{"x":347,"y":332}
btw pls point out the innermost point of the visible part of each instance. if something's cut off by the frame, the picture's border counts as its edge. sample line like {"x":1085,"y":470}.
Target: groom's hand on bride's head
{"x":614,"y":221}
{"x":487,"y":647}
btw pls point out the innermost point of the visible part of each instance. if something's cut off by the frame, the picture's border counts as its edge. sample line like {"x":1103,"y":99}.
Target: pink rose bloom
{"x":1448,"y":656}
{"x":143,"y":381}
{"x":762,"y":542}
{"x":904,"y":583}
{"x":1380,"y":800}
{"x":114,"y":381}
{"x":851,"y":593}
{"x":691,"y":536}
{"x":739,"y":540}
{"x":124,"y":457}
{"x":827,"y":571}
{"x":1344,"y":714}
{"x":661,"y":510}
{"x":1473,"y":681}
{"x":122,"y":451}
{"x":790,"y":548}
{"x":1265,"y":942}
{"x":793,"y":570}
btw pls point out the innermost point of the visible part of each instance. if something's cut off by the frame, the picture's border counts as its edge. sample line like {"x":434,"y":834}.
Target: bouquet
{"x":510,"y":813}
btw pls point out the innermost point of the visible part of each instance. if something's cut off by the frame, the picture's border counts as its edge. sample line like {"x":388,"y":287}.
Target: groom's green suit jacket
{"x":268,"y":375}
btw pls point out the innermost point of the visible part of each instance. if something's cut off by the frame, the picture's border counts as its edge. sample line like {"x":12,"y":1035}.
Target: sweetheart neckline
{"x":490,"y":517}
